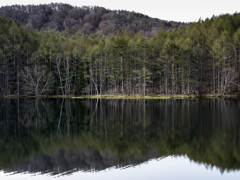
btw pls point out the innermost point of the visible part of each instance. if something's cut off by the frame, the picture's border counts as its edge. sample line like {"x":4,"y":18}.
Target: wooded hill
{"x":202,"y":58}
{"x":98,"y":20}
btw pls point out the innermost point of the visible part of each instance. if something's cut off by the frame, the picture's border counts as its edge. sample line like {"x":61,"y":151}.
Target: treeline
{"x":199,"y":59}
{"x":60,"y":17}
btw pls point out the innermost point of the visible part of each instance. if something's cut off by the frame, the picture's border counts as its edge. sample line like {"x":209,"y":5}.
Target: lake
{"x":119,"y":139}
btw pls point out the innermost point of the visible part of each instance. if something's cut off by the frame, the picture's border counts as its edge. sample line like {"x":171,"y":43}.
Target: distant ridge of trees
{"x":98,"y":20}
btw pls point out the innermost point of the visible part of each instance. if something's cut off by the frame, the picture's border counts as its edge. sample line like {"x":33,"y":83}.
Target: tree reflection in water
{"x":65,"y":135}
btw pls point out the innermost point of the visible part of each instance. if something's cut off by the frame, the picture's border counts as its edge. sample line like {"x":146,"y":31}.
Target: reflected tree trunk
{"x":59,"y":132}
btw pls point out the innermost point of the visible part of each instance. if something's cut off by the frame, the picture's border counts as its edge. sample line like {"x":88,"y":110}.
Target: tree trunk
{"x":121,"y":58}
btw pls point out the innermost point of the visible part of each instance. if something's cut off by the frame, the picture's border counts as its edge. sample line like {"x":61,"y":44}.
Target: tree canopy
{"x":60,"y":17}
{"x":202,"y":58}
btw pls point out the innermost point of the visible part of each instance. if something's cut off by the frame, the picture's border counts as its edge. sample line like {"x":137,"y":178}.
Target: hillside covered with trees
{"x":89,"y":20}
{"x":202,"y":58}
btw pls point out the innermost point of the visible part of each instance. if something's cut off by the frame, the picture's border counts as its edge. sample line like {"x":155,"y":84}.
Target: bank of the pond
{"x":234,"y":96}
{"x":130,"y":97}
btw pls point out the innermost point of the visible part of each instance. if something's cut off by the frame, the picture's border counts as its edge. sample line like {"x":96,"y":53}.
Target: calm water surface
{"x":119,"y":139}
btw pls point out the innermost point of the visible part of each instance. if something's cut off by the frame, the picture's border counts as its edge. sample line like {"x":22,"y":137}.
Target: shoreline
{"x":233,"y":96}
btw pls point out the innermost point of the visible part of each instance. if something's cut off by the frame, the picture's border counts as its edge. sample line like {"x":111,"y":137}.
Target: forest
{"x":88,"y":19}
{"x":195,"y":59}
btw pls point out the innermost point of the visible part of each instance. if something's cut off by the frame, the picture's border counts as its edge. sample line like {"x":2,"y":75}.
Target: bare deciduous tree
{"x":36,"y":81}
{"x":229,"y":76}
{"x":58,"y":65}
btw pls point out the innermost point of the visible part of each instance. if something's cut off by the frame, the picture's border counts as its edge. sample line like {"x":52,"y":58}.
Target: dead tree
{"x":36,"y":81}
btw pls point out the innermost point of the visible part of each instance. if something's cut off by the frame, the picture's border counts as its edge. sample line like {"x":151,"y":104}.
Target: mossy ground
{"x":128,"y":97}
{"x":133,"y":97}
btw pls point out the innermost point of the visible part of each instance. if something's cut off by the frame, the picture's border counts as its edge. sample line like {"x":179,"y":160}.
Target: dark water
{"x":63,"y":136}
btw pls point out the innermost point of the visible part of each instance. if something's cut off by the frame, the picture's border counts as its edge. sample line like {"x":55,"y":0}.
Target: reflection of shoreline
{"x":100,"y":134}
{"x":179,"y":167}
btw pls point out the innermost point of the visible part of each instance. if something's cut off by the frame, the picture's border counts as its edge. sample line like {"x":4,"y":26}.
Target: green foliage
{"x":203,"y":58}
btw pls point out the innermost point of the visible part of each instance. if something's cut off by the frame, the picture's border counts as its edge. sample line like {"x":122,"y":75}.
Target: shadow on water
{"x":63,"y":135}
